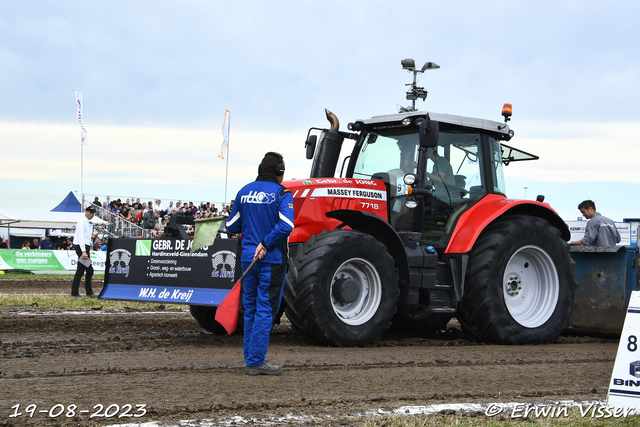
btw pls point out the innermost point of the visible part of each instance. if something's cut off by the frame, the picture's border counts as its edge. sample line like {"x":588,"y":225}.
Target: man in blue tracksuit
{"x":263,"y":213}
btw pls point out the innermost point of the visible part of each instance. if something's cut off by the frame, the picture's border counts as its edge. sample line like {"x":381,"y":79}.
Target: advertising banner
{"x":624,"y":388}
{"x":46,"y":260}
{"x":577,"y":231}
{"x":165,"y":271}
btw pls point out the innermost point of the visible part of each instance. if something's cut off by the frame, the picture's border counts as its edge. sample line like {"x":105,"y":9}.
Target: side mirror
{"x":311,"y":146}
{"x":429,"y":130}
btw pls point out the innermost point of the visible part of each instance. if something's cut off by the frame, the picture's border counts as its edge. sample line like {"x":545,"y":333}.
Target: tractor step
{"x":443,"y":310}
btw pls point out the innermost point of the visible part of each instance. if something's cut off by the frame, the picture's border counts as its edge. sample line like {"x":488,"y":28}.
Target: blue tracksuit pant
{"x":261,"y":296}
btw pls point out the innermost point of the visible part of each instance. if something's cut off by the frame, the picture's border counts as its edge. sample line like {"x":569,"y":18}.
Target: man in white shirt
{"x":82,"y":242}
{"x":169,"y":209}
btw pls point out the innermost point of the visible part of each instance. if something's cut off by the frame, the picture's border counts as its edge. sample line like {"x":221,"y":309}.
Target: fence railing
{"x":118,"y":226}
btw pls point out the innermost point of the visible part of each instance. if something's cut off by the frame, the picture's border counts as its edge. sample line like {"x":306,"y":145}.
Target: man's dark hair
{"x":269,"y":163}
{"x":587,"y":204}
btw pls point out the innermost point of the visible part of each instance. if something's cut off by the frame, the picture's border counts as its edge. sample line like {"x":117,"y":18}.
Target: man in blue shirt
{"x":46,"y":243}
{"x":263,"y":213}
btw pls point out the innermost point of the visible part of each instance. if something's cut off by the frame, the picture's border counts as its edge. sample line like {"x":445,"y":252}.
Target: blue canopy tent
{"x":69,"y":204}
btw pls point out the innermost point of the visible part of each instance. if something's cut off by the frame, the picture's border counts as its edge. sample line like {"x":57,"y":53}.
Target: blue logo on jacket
{"x":258,"y":197}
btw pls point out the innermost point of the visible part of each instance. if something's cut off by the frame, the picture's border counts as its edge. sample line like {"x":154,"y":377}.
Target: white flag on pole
{"x":225,"y":134}
{"x":83,"y":131}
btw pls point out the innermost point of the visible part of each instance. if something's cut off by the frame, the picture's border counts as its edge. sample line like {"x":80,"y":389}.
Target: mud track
{"x":164,"y":360}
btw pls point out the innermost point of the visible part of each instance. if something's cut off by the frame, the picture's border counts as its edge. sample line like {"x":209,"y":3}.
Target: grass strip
{"x":62,"y":277}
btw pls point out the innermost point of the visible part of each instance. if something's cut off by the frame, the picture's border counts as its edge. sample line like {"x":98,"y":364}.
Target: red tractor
{"x":418,"y":229}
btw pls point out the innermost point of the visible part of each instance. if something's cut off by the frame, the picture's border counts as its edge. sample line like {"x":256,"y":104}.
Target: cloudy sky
{"x":157,"y":77}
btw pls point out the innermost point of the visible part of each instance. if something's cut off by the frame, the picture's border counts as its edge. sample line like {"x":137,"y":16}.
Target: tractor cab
{"x":431,"y":181}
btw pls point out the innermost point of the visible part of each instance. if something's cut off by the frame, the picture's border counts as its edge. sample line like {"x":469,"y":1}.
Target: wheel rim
{"x":366,"y":277}
{"x":531,"y":286}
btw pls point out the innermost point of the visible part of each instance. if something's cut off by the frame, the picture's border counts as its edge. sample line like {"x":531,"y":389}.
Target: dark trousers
{"x":80,"y":271}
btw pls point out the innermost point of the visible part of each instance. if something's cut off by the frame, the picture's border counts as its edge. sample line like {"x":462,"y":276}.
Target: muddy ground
{"x":164,"y":360}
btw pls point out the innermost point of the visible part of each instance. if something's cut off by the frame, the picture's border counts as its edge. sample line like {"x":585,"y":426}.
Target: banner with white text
{"x":165,"y":270}
{"x":46,"y":260}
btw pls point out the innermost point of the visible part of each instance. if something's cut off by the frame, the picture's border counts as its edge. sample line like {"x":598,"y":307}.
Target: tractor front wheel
{"x":341,"y":289}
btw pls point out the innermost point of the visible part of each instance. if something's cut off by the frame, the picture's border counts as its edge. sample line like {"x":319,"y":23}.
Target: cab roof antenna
{"x":415,"y":91}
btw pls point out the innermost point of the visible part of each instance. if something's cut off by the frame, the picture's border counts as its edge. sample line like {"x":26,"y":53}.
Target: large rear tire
{"x":341,"y":289}
{"x":206,"y":318}
{"x":520,"y":285}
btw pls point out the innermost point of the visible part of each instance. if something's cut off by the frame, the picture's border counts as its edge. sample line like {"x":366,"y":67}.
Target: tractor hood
{"x":314,"y":197}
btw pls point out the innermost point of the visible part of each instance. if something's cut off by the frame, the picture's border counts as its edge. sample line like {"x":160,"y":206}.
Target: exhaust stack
{"x":327,"y":154}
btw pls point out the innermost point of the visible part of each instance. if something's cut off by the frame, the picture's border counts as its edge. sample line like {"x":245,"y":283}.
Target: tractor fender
{"x":491,"y":207}
{"x":376,"y":227}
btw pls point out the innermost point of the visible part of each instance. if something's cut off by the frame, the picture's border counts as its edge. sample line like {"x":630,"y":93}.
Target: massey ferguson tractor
{"x":416,"y":229}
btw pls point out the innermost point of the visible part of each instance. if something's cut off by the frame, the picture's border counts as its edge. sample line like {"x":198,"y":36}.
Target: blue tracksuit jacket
{"x":263,"y":212}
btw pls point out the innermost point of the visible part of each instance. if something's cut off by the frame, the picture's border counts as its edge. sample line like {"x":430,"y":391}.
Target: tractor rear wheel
{"x":341,"y":289}
{"x":520,"y":285}
{"x":206,"y":318}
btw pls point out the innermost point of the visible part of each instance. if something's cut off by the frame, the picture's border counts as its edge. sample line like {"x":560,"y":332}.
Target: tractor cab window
{"x":393,"y":153}
{"x":496,"y":166}
{"x":454,"y":169}
{"x":390,"y":155}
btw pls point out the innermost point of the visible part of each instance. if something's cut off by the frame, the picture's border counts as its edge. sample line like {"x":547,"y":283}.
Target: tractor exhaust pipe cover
{"x":328,"y":150}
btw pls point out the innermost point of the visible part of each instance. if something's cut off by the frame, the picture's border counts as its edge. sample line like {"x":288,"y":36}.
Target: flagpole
{"x":81,"y":174}
{"x":83,"y":141}
{"x":226,"y":173}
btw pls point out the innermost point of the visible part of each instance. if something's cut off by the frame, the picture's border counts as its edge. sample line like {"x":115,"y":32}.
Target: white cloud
{"x":156,"y":77}
{"x":575,"y":152}
{"x":155,"y":161}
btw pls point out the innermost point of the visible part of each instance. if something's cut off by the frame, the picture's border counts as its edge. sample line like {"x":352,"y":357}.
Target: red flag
{"x":227,"y":312}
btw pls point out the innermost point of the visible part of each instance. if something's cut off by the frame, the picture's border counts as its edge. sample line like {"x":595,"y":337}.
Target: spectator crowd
{"x":64,"y":243}
{"x":47,"y":243}
{"x":154,"y":215}
{"x":151,"y":216}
